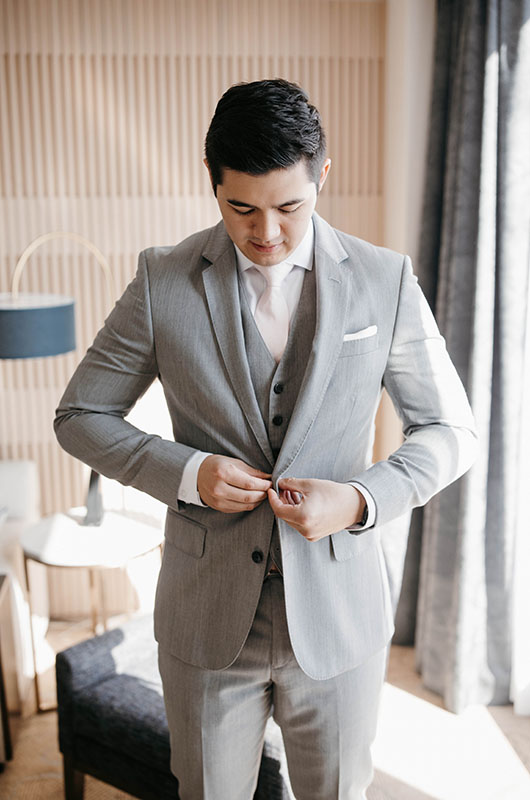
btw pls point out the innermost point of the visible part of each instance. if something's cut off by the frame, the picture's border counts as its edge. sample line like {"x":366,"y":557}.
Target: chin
{"x":266,"y":259}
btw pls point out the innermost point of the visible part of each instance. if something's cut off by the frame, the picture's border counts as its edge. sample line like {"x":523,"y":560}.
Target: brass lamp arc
{"x":36,"y":325}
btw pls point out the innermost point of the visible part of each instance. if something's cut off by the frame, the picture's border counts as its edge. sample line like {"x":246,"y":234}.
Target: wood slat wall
{"x":103,"y":110}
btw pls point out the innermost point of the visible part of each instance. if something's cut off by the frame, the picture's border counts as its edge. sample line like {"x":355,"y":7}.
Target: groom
{"x":273,"y":335}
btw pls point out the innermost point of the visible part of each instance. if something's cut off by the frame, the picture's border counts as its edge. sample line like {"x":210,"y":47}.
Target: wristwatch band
{"x":364,"y":517}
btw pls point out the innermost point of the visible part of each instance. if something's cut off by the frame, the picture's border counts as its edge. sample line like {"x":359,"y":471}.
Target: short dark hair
{"x":264,"y":125}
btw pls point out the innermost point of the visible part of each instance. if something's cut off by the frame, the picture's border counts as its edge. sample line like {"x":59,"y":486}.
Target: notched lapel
{"x":222,"y":294}
{"x":332,"y":299}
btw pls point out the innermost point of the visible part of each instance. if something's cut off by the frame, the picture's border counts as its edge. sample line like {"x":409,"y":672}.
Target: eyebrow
{"x":241,"y":204}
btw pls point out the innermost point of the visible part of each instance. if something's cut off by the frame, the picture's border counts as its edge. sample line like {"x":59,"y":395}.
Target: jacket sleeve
{"x":438,"y":426}
{"x":116,"y":370}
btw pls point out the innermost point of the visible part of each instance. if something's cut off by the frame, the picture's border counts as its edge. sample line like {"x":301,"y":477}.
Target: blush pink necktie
{"x":272,"y":311}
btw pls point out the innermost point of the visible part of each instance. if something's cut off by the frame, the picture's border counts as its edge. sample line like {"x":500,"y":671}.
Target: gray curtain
{"x":474,"y":268}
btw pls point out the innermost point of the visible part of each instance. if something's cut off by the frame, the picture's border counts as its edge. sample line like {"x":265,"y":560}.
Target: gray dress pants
{"x":217,"y":718}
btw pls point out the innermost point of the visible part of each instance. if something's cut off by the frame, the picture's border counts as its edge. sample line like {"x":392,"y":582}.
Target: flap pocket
{"x":355,"y":347}
{"x":185,"y":533}
{"x":346,"y":545}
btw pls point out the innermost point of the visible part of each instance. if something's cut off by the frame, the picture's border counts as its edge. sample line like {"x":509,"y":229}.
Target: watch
{"x":364,"y":518}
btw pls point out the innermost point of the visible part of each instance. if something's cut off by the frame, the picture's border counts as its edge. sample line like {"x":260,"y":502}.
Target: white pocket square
{"x":370,"y":331}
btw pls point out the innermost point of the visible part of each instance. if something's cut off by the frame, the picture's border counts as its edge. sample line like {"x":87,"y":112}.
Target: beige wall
{"x":103,"y":110}
{"x":104,"y":106}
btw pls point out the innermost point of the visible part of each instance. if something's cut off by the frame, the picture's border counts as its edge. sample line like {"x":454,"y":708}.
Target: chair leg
{"x":74,"y":781}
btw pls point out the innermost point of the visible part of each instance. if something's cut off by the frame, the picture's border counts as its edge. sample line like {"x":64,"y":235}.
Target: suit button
{"x":278,"y":388}
{"x":277,"y":420}
{"x":257,"y":556}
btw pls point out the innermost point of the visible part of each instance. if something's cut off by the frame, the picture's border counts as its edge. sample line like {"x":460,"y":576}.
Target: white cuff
{"x":188,"y":491}
{"x":370,"y":504}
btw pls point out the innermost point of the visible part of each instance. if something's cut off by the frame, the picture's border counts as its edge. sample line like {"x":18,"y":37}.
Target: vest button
{"x":277,"y":420}
{"x":257,"y":556}
{"x":278,"y":388}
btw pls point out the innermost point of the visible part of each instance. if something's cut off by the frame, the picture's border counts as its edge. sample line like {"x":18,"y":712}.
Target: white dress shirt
{"x":254,"y":283}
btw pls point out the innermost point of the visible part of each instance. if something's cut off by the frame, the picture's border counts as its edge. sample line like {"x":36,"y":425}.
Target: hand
{"x":316,"y":508}
{"x":230,"y":485}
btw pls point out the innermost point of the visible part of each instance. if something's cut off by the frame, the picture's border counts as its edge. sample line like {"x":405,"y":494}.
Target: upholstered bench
{"x":112,"y":722}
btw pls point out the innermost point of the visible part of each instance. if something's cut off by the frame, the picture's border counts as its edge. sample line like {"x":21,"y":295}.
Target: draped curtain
{"x":469,"y":548}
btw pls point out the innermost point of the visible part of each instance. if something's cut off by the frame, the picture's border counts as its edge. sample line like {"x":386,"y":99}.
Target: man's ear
{"x":324,"y":174}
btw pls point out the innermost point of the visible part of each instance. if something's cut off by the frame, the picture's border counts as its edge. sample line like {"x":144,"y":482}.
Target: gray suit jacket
{"x":180,"y":320}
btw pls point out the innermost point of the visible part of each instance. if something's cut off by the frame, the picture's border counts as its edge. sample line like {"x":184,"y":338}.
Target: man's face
{"x":266,"y":216}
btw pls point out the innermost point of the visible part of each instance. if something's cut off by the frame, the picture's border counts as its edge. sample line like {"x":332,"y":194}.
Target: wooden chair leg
{"x":74,"y":781}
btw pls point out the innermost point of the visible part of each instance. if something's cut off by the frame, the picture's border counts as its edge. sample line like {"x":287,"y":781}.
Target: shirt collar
{"x":302,"y":256}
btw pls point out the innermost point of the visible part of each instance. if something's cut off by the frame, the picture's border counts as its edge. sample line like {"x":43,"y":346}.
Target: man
{"x":272,"y":335}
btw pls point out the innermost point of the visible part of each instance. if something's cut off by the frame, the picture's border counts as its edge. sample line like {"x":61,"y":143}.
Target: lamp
{"x":38,"y":325}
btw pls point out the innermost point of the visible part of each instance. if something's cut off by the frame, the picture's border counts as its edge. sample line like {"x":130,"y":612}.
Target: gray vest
{"x":277,"y":385}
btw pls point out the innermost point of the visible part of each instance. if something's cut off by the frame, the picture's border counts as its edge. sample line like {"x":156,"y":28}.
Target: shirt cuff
{"x":188,"y":491}
{"x":370,"y":504}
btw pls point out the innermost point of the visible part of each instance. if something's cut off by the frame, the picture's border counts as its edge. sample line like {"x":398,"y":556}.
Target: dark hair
{"x":264,"y":125}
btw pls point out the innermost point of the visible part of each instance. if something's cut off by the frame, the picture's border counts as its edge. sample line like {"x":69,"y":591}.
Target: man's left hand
{"x":316,"y":508}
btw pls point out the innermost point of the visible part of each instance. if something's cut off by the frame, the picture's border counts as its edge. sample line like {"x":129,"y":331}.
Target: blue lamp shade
{"x":36,"y":325}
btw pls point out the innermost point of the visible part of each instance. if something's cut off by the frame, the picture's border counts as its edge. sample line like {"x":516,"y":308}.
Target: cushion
{"x":126,"y":713}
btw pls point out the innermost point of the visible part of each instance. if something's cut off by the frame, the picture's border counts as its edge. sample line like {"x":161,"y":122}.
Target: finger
{"x":281,"y":508}
{"x":285,"y":496}
{"x":252,"y":470}
{"x":291,"y":497}
{"x":299,"y":485}
{"x":231,"y":507}
{"x":275,"y":502}
{"x":241,"y":479}
{"x":228,"y":493}
{"x":235,"y":506}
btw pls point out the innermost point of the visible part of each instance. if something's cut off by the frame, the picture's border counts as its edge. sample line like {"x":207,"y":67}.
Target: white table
{"x":60,"y":540}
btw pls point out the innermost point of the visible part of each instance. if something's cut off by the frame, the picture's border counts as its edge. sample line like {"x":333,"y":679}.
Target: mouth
{"x":269,"y":248}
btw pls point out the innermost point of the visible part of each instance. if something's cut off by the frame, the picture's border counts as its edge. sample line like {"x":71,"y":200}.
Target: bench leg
{"x":74,"y":781}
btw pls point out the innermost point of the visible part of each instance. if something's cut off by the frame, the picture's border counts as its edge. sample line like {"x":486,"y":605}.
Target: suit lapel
{"x":222,"y":295}
{"x":332,"y":299}
{"x":334,"y":285}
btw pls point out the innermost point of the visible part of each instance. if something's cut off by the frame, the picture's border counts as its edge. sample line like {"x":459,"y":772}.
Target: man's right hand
{"x":230,"y":485}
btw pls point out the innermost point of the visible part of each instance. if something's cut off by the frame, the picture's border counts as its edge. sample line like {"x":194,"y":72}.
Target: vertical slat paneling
{"x":103,"y":111}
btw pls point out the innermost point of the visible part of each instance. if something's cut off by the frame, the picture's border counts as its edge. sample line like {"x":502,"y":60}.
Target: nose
{"x":266,"y":228}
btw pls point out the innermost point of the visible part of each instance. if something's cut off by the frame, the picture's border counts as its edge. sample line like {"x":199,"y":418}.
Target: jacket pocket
{"x":185,"y":534}
{"x":346,"y":545}
{"x":356,"y":347}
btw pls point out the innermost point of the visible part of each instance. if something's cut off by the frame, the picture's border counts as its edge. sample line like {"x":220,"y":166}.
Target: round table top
{"x":60,"y":540}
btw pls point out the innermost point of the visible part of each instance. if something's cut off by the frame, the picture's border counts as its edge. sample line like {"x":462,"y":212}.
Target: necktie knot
{"x":275,"y":275}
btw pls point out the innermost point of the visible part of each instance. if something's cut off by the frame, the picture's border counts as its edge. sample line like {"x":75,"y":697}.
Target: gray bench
{"x":112,"y":722}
